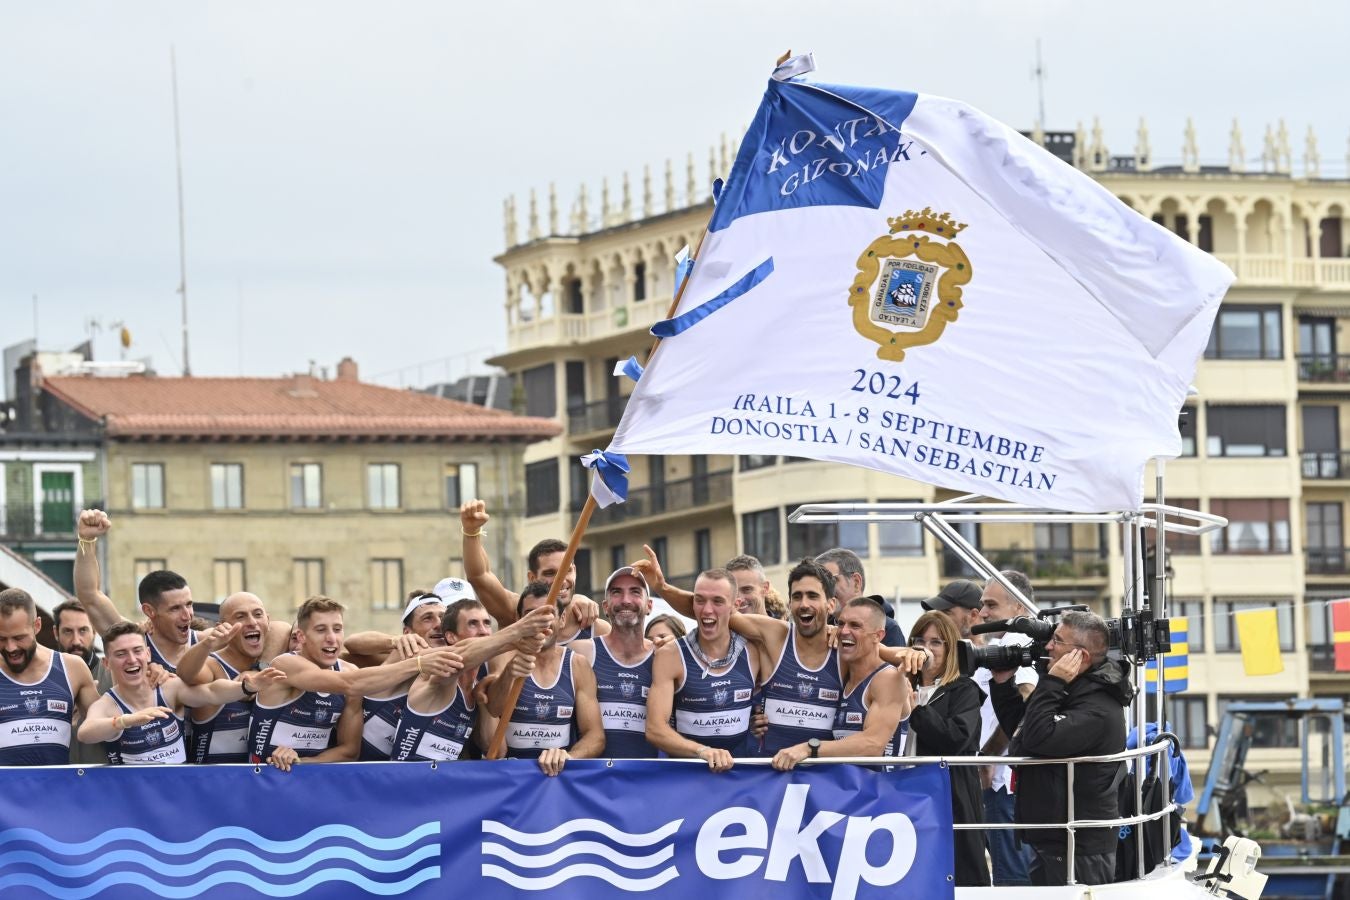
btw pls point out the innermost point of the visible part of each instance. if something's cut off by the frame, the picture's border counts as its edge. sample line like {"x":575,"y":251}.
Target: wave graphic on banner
{"x":621,"y":870}
{"x":154,"y":871}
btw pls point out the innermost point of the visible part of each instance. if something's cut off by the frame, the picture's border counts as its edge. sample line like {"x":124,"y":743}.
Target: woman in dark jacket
{"x":946,"y":722}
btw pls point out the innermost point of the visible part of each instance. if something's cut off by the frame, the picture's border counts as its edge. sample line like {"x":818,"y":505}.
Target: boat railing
{"x":1158,"y":749}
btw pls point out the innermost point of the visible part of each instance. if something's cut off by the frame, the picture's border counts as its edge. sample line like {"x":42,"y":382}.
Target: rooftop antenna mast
{"x":1039,"y":74}
{"x":182,"y":241}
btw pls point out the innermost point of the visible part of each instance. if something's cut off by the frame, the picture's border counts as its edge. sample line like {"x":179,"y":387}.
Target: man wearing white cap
{"x":622,"y":661}
{"x":421,"y":630}
{"x":421,"y":626}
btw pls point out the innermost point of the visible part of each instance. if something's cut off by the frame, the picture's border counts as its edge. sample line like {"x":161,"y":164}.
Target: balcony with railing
{"x":1074,"y":564}
{"x":1323,"y":368}
{"x":50,"y":520}
{"x":684,"y":495}
{"x":1326,"y":465}
{"x":600,"y":415}
{"x":1295,"y":271}
{"x":1326,"y":560}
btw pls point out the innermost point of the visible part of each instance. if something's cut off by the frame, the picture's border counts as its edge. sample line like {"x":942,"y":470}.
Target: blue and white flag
{"x":928,"y":294}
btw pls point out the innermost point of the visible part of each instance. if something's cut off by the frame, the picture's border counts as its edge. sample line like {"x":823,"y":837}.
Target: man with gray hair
{"x":1075,"y":710}
{"x":751,"y":585}
{"x":850,"y":581}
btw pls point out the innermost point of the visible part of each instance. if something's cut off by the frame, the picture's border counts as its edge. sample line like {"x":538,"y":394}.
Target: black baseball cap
{"x":965,"y":594}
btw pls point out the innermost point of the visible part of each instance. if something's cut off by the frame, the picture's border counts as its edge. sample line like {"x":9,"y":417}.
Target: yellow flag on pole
{"x":1259,"y":636}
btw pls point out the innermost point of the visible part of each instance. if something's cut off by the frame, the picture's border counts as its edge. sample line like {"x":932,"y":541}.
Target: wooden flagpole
{"x":497,"y":748}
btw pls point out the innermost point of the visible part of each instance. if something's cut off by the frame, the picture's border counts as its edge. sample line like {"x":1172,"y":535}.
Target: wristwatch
{"x":814,"y":746}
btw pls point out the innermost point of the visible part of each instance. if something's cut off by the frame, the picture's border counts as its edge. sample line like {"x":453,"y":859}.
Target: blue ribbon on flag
{"x":683,"y":322}
{"x":684,"y":264}
{"x":610,"y":484}
{"x":630,"y":367}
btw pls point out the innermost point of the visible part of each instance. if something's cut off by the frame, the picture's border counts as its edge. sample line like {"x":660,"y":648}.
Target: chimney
{"x":346,"y":370}
{"x":302,"y":385}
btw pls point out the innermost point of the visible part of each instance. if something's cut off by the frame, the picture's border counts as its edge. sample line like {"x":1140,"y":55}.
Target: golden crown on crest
{"x":941,"y":225}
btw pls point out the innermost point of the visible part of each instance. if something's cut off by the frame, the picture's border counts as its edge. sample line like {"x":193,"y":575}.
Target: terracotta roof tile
{"x":296,"y":407}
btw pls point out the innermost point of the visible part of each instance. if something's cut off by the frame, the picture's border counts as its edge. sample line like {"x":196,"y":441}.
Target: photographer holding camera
{"x":1075,"y":710}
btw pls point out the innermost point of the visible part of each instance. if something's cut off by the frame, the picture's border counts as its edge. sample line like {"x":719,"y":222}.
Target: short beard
{"x":28,"y":658}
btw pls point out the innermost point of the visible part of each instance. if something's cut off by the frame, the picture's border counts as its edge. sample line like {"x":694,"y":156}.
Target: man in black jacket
{"x":1076,"y":710}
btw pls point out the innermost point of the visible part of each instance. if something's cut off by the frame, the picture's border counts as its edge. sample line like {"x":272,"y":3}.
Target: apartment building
{"x":1266,"y":439}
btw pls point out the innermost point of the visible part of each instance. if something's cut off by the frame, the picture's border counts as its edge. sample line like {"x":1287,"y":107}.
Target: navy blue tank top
{"x":852,"y":716}
{"x":714,"y":710}
{"x":157,"y":657}
{"x":380,"y":716}
{"x":622,"y":692}
{"x":439,"y":735}
{"x":157,"y":742}
{"x":544,"y":717}
{"x":800,"y":703}
{"x":223,"y":738}
{"x":305,"y":724}
{"x":35,"y":727}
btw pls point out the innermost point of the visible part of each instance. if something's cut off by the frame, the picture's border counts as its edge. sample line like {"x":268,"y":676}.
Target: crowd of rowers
{"x":835,"y":678}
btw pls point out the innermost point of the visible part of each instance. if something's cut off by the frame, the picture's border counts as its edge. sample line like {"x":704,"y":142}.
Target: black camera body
{"x":1136,"y":636}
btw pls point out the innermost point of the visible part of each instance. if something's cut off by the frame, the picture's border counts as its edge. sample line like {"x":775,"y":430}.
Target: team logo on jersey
{"x":32,"y":703}
{"x":461,"y":730}
{"x":628,"y":688}
{"x":153,"y":737}
{"x":720,"y":696}
{"x":541,"y":709}
{"x":908,"y":286}
{"x":804,"y":689}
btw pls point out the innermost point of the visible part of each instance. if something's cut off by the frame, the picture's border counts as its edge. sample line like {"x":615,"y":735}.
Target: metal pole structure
{"x":182,"y":239}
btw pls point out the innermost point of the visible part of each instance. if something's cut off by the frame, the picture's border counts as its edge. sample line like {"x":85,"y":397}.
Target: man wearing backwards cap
{"x":960,"y":600}
{"x":421,"y":626}
{"x":622,"y":661}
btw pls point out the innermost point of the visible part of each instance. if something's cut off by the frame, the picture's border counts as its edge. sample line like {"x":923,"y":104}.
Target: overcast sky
{"x":345,"y":163}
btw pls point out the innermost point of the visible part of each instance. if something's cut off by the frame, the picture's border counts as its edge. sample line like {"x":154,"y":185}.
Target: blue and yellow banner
{"x":491,"y":831}
{"x":1177,"y":662}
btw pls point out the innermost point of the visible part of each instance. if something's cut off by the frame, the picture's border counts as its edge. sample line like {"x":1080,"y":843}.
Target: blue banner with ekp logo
{"x":489,"y":830}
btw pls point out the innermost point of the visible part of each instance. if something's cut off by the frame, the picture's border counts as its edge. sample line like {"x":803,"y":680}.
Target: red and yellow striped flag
{"x":1340,"y":633}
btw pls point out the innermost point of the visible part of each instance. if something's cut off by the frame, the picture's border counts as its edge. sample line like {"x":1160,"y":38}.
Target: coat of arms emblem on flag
{"x":908,"y":285}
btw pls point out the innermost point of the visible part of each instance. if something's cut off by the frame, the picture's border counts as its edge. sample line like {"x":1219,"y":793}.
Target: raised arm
{"x":220,"y":691}
{"x":496,"y":598}
{"x":680,"y":600}
{"x":106,"y":722}
{"x":522,"y":634}
{"x":303,"y":675}
{"x":193,"y":667}
{"x":92,"y":525}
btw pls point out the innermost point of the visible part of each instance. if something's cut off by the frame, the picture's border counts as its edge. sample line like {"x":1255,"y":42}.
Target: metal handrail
{"x":1071,"y":825}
